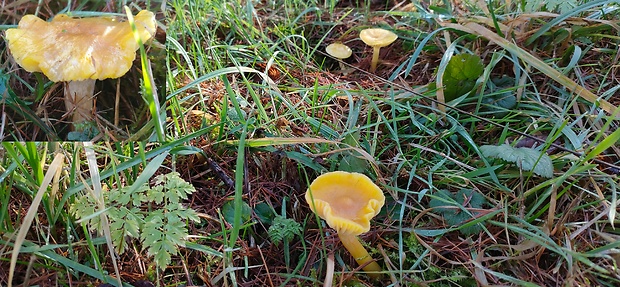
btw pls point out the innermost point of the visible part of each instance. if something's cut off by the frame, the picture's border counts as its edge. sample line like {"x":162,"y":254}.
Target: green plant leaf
{"x":283,"y":229}
{"x":453,"y":207}
{"x":161,"y":230}
{"x":228,"y":211}
{"x":525,"y":158}
{"x":353,"y":163}
{"x":502,"y":96}
{"x":461,"y":74}
{"x":500,"y":103}
{"x":265,"y":213}
{"x":124,"y":223}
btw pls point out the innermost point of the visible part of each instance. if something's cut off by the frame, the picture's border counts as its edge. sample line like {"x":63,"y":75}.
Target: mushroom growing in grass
{"x":377,"y":38}
{"x":347,"y":201}
{"x":78,"y":52}
{"x":339,"y":51}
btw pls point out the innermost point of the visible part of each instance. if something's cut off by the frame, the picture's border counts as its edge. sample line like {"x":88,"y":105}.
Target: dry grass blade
{"x":97,"y":191}
{"x":54,"y":168}
{"x":329,"y":272}
{"x":477,"y":29}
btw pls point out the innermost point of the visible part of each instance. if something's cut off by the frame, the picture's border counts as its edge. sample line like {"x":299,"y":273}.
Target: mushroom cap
{"x":377,"y":37}
{"x":338,"y":50}
{"x":70,"y":49}
{"x":347,"y":201}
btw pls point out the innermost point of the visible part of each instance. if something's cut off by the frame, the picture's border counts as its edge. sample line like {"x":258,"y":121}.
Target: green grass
{"x":255,"y":111}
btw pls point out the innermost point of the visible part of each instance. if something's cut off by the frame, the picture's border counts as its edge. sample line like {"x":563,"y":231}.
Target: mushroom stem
{"x":79,"y":100}
{"x":359,"y":253}
{"x":375,"y":59}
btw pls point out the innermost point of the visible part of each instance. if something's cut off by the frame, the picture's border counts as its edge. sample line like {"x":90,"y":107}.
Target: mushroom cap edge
{"x":331,"y":189}
{"x":339,"y":50}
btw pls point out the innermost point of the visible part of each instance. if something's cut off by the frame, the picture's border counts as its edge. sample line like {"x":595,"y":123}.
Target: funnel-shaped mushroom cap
{"x":377,"y":37}
{"x":347,"y":201}
{"x":69,"y":49}
{"x":340,"y":51}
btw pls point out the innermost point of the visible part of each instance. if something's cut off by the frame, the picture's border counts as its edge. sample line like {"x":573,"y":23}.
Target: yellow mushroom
{"x":79,"y":52}
{"x":377,"y":38}
{"x":339,"y":51}
{"x":347,"y":201}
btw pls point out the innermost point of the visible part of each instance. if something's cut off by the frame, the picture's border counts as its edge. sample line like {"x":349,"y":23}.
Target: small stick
{"x":220,"y":172}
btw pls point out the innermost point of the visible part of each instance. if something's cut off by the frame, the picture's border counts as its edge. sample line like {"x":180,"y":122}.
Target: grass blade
{"x":54,"y":168}
{"x":477,"y":29}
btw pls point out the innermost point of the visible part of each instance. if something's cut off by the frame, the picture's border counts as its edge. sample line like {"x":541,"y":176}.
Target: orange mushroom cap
{"x":347,"y":201}
{"x":69,"y":49}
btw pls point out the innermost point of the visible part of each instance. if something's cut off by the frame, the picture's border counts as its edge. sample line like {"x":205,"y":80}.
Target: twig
{"x":220,"y":172}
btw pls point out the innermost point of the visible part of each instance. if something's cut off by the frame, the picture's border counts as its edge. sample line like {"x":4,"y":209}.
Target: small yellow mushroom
{"x":377,"y":38}
{"x":339,"y":51}
{"x":347,"y":201}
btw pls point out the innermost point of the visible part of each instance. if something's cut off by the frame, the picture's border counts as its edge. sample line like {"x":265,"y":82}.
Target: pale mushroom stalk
{"x":375,"y":59}
{"x":79,"y":100}
{"x":359,"y":253}
{"x":342,"y":67}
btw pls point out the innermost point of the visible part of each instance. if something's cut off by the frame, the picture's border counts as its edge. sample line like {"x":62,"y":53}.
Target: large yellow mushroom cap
{"x":377,"y":37}
{"x":347,"y":201}
{"x":69,"y":49}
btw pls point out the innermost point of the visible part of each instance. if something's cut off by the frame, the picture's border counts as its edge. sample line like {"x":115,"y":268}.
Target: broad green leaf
{"x":352,"y":139}
{"x":453,"y":207}
{"x":264,"y":213}
{"x":502,"y":96}
{"x":228,"y":211}
{"x":526,"y":158}
{"x":353,"y":163}
{"x":461,"y":74}
{"x":500,"y":103}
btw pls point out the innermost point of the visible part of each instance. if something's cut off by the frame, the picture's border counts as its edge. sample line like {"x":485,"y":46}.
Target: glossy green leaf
{"x":461,"y":74}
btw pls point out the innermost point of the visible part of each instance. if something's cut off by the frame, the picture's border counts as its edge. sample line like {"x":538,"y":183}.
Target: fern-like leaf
{"x":161,"y":230}
{"x":283,"y":229}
